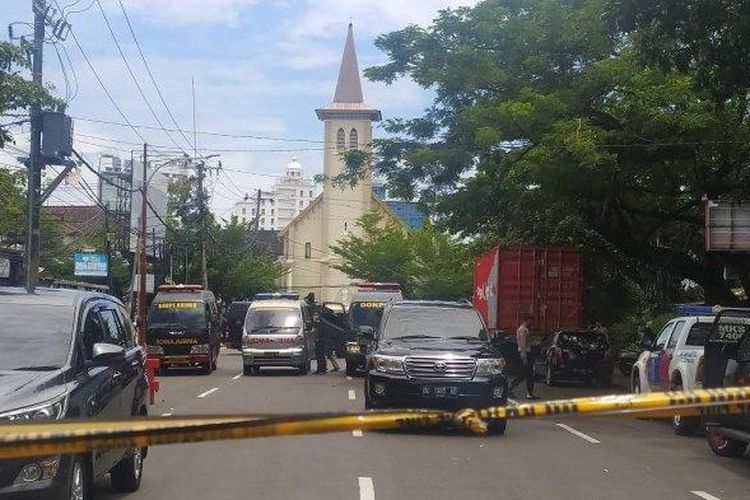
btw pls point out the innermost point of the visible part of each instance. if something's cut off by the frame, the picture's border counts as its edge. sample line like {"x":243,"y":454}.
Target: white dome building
{"x":288,"y":197}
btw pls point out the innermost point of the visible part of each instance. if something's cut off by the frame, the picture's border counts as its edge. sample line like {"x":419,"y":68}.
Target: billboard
{"x":727,"y":226}
{"x":91,"y":264}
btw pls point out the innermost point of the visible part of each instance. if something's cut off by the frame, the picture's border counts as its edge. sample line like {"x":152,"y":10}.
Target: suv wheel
{"x":684,"y":426}
{"x":496,"y":427}
{"x":78,"y":486}
{"x":126,"y":475}
{"x":723,"y":445}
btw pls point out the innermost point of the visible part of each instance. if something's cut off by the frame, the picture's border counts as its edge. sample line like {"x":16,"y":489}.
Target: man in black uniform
{"x":320,"y":344}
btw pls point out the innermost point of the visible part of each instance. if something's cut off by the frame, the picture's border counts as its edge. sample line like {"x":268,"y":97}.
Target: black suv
{"x":434,"y":355}
{"x":68,"y":354}
{"x":726,"y":363}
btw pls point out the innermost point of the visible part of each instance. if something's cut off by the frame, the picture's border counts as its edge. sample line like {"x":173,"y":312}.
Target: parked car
{"x":69,"y":354}
{"x":578,"y":354}
{"x":434,"y":355}
{"x":184,"y":328}
{"x":232,"y":322}
{"x":277,"y":332}
{"x":727,"y":363}
{"x":670,"y":362}
{"x":366,"y":309}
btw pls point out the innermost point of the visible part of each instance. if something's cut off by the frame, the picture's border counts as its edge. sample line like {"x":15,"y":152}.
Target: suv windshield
{"x":429,"y":321}
{"x":367,"y":313}
{"x":183,"y":314}
{"x":699,"y":332}
{"x":34,"y":336}
{"x":275,"y":320}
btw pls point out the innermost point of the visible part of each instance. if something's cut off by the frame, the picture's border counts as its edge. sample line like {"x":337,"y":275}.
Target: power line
{"x":201,"y":132}
{"x":133,"y":77}
{"x":150,"y":73}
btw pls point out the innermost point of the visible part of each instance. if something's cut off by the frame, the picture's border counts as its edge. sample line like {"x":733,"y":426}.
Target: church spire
{"x":349,"y":85}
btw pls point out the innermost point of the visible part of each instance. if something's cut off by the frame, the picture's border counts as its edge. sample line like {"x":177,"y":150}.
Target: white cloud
{"x":187,"y":12}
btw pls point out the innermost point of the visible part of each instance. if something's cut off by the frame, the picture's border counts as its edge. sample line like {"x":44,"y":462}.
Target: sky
{"x":261,"y":67}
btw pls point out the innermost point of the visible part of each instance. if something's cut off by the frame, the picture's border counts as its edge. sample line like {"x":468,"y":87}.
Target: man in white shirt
{"x":524,"y":350}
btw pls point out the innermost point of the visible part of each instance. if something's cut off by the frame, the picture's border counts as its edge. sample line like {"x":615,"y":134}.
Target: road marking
{"x":237,"y":377}
{"x":705,"y":495}
{"x":168,"y":414}
{"x":357,"y":433}
{"x":207,"y":393}
{"x":348,"y":378}
{"x":580,"y":434}
{"x":366,"y":489}
{"x":352,"y":395}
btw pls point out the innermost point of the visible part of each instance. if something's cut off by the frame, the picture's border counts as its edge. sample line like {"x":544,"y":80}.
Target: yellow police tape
{"x":77,"y":436}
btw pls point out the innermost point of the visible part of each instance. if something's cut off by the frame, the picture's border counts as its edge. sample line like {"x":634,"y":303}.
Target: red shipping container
{"x":543,"y":282}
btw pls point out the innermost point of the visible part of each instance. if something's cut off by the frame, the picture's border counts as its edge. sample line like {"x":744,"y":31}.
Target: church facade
{"x":347,"y":124}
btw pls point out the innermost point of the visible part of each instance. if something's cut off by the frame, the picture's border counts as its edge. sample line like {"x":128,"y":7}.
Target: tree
{"x":442,"y":268}
{"x":382,"y":253}
{"x":12,"y":207}
{"x":16,"y":92}
{"x":555,"y":122}
{"x":427,"y":263}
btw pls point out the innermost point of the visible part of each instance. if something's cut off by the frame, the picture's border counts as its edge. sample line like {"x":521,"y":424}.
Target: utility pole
{"x":34,"y":164}
{"x":201,"y":196}
{"x":142,"y":236}
{"x":109,"y":249}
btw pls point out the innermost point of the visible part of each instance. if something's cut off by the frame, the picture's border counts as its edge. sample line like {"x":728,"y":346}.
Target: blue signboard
{"x":91,"y":264}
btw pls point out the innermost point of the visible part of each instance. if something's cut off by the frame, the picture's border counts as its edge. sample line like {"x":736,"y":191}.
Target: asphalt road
{"x":565,"y":459}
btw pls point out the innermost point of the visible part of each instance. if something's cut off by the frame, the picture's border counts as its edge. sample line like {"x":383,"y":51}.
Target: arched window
{"x":353,"y":139}
{"x":340,"y":139}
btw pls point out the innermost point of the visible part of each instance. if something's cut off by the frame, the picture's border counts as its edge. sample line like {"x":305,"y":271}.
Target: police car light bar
{"x":276,"y":295}
{"x":180,"y":288}
{"x":379,"y":286}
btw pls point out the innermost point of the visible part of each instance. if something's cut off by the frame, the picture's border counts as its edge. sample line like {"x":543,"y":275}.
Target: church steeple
{"x":349,"y":85}
{"x":348,"y":101}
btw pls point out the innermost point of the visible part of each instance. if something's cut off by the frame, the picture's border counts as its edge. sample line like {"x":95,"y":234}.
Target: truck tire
{"x":549,"y":376}
{"x":351,"y":369}
{"x":723,"y":445}
{"x":683,"y":426}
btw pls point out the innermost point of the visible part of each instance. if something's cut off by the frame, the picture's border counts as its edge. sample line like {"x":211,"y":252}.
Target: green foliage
{"x":594,"y":123}
{"x":16,"y":92}
{"x":383,"y":253}
{"x":235,"y":271}
{"x":427,"y":263}
{"x":12,"y":207}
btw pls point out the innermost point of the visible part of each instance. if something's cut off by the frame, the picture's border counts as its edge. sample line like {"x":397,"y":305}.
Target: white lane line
{"x":237,"y":377}
{"x":352,"y":395}
{"x":580,"y":434}
{"x":366,"y":489}
{"x":207,"y":393}
{"x":357,"y":433}
{"x":168,"y":414}
{"x":703,"y":494}
{"x":348,"y":378}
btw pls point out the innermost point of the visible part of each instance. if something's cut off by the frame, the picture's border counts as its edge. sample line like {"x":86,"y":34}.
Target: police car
{"x":671,"y":360}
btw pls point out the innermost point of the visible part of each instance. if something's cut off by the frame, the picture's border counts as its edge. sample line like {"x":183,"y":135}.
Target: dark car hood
{"x":19,"y":389}
{"x":436,"y":347}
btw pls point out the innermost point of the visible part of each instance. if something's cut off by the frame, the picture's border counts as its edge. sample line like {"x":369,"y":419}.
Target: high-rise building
{"x":289,"y":196}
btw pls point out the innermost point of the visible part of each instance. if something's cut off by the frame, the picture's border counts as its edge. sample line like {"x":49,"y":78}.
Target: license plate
{"x":272,"y":354}
{"x":439,"y":391}
{"x":354,"y":349}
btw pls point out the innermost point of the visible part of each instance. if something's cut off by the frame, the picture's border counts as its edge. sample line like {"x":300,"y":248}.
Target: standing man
{"x":320,"y":346}
{"x":527,"y":357}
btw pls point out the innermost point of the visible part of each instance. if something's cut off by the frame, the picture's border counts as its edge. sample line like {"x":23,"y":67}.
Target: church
{"x":333,"y":215}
